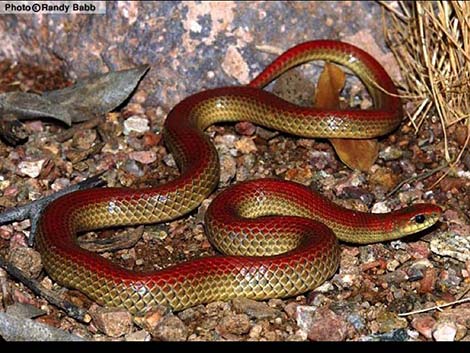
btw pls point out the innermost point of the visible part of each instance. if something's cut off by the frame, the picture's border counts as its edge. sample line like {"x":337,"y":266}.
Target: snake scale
{"x":278,"y":238}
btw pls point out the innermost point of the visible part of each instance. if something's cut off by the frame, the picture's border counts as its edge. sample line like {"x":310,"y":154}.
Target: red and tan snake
{"x":278,"y":238}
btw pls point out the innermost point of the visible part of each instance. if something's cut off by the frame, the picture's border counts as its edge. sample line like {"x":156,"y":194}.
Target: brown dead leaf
{"x":355,"y":153}
{"x":330,"y":84}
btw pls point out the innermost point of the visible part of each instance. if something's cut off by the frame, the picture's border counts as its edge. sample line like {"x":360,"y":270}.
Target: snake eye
{"x":420,"y":219}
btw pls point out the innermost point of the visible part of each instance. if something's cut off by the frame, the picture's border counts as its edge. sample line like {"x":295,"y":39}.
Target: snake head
{"x":415,"y":218}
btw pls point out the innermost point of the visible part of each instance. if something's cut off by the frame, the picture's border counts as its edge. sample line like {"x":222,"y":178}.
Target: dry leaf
{"x":89,"y":97}
{"x":97,"y":94}
{"x":355,"y":153}
{"x":330,"y":84}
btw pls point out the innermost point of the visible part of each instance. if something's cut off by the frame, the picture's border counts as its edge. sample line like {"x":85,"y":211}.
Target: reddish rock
{"x":237,"y":324}
{"x":114,"y":322}
{"x":144,"y":157}
{"x":152,"y":318}
{"x":151,"y":139}
{"x":291,"y":309}
{"x":170,"y":328}
{"x":327,"y":327}
{"x":419,"y":250}
{"x":428,"y":281}
{"x":6,"y":232}
{"x":23,"y":297}
{"x":245,"y":128}
{"x":381,"y":264}
{"x":424,"y":325}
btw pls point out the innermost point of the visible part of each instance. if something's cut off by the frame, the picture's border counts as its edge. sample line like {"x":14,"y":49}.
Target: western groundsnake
{"x":279,"y":238}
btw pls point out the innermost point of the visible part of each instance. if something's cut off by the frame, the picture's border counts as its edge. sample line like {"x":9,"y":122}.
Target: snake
{"x":275,"y":238}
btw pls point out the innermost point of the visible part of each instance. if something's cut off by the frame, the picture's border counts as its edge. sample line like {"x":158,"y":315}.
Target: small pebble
{"x":6,"y":232}
{"x":151,"y":139}
{"x":228,"y":168}
{"x":114,"y":322}
{"x":419,"y":250}
{"x":389,"y":321}
{"x":390,"y":153}
{"x":169,"y":160}
{"x":136,"y":124}
{"x":60,"y":183}
{"x":18,"y":239}
{"x":396,"y":277}
{"x":325,"y":287}
{"x":245,"y":145}
{"x":138,"y":336}
{"x":132,"y":167}
{"x":31,"y":168}
{"x":451,"y":244}
{"x":255,"y":331}
{"x":428,"y":281}
{"x":356,"y":320}
{"x":461,"y":332}
{"x":416,"y":270}
{"x":424,"y":325}
{"x":380,"y":207}
{"x":402,"y":257}
{"x":144,"y":157}
{"x":444,"y":331}
{"x":170,"y":328}
{"x":291,"y":309}
{"x":245,"y":128}
{"x":449,"y":278}
{"x":237,"y":324}
{"x":384,"y":177}
{"x":254,"y":309}
{"x":152,"y":318}
{"x":355,"y":192}
{"x":84,"y":139}
{"x":191,"y":314}
{"x":392,"y":265}
{"x":407,"y":166}
{"x":276,"y":303}
{"x":235,"y":65}
{"x":27,"y":260}
{"x":325,"y":325}
{"x":346,"y":280}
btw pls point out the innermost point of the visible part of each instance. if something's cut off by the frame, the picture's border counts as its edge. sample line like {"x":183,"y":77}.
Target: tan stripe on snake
{"x":277,"y":235}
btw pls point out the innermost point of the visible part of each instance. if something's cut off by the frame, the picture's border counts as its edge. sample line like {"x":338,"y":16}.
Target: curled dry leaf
{"x":92,"y":96}
{"x":27,"y":106}
{"x":355,"y":153}
{"x":97,"y":94}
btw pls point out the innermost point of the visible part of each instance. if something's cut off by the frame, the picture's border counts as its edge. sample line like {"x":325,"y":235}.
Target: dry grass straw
{"x":431,"y":41}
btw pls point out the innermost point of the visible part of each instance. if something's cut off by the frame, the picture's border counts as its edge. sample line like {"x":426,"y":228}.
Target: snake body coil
{"x":276,"y":234}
